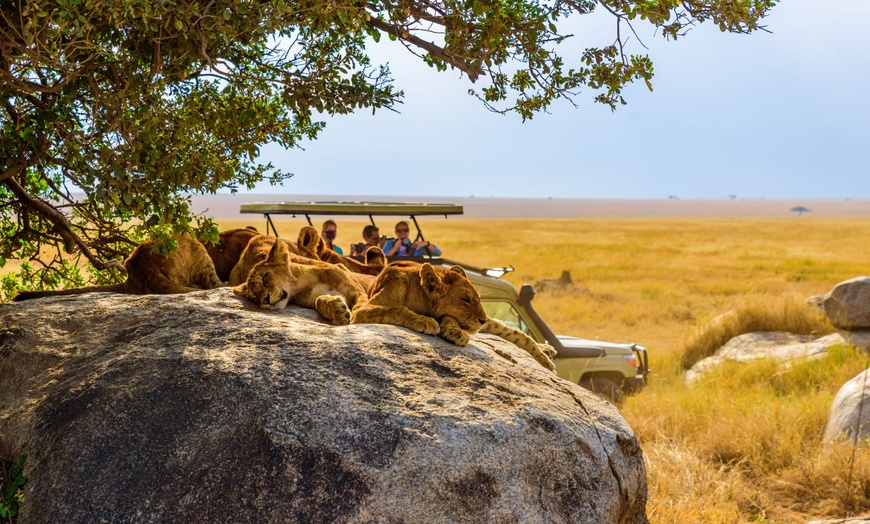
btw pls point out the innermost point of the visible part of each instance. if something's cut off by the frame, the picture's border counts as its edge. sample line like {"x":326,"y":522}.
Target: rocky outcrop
{"x":199,"y":408}
{"x":849,"y":416}
{"x":779,"y":346}
{"x":847,"y":305}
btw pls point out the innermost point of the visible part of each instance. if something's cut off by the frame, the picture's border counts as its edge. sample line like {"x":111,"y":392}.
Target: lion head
{"x":268,"y":284}
{"x":450,"y":294}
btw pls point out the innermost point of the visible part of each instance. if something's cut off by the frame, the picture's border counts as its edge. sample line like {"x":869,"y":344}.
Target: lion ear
{"x":375,"y":257}
{"x":241,"y":290}
{"x":279,"y":254}
{"x":458,"y":269}
{"x":309,"y":240}
{"x":429,"y":279}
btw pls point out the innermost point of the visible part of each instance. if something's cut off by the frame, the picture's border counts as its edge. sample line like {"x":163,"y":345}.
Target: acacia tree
{"x":114,"y":110}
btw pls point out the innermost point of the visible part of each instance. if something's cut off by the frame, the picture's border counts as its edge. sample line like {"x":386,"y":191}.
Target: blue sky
{"x":779,"y":115}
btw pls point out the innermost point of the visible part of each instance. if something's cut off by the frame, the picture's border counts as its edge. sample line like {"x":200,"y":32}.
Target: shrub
{"x":11,"y":483}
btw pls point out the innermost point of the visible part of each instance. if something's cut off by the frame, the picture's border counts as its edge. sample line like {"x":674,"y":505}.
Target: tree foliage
{"x":113,"y":110}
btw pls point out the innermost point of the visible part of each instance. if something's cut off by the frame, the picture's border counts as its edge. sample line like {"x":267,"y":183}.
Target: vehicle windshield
{"x":507,"y":313}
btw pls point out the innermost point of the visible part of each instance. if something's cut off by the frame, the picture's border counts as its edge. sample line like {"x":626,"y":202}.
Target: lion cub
{"x":278,"y":280}
{"x":188,"y":268}
{"x":433,"y":300}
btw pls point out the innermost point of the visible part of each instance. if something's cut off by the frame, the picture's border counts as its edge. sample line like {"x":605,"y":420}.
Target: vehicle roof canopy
{"x":351,"y":208}
{"x":336,"y":208}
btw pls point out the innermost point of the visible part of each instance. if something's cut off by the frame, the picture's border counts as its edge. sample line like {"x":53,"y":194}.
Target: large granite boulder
{"x":849,"y":416}
{"x":199,"y":408}
{"x":775,"y":345}
{"x":848,"y":304}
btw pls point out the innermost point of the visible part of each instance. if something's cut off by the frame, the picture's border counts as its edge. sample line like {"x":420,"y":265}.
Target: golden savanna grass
{"x":744,"y":445}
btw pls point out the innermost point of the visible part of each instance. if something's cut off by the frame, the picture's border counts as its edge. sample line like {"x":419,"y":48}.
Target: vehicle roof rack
{"x":337,"y":208}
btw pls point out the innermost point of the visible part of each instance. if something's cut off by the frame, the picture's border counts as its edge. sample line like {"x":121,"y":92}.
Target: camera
{"x":359,"y":247}
{"x":407,"y":241}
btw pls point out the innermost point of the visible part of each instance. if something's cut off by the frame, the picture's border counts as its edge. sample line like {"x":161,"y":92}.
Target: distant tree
{"x":800,"y":210}
{"x":732,"y":197}
{"x":113,"y":110}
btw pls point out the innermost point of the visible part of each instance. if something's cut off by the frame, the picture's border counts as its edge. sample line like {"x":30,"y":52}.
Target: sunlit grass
{"x":755,"y":430}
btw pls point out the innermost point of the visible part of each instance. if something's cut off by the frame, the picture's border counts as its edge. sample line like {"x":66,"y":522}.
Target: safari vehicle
{"x":608,"y":369}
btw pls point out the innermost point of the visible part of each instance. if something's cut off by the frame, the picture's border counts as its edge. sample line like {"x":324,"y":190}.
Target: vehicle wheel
{"x":604,"y":388}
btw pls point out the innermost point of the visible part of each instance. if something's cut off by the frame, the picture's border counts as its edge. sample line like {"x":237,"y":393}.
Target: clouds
{"x":765,"y":115}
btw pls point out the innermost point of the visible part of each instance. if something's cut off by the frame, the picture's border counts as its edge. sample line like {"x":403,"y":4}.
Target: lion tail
{"x":29,"y":295}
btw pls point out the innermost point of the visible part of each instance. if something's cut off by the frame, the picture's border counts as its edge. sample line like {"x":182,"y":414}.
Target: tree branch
{"x":429,"y":47}
{"x":62,"y":227}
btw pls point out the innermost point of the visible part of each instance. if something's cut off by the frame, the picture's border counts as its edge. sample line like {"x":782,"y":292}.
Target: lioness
{"x":188,"y":268}
{"x":278,"y":280}
{"x":225,"y":254}
{"x":305,"y":251}
{"x":434,"y":300}
{"x":258,"y":247}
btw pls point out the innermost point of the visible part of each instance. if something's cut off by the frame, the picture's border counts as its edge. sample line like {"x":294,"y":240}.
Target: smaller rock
{"x":848,"y":304}
{"x":817,"y":303}
{"x":850,"y":411}
{"x":779,"y":346}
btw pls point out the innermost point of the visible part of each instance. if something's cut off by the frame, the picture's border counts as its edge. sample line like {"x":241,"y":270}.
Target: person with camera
{"x":371,"y":238}
{"x":402,"y":246}
{"x":328,"y":233}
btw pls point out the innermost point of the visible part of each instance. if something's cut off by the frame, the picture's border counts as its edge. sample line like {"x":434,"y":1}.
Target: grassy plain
{"x":744,"y":446}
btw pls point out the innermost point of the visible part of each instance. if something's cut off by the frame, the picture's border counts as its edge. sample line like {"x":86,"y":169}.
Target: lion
{"x":436,"y":301}
{"x":226,"y":253}
{"x":259,"y":246}
{"x":187,"y":268}
{"x":278,"y":280}
{"x":308,"y":248}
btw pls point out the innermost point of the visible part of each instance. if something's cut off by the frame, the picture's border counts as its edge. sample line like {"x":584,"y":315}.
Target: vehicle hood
{"x":610,"y":348}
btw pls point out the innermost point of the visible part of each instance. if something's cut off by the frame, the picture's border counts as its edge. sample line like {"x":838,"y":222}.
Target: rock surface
{"x":780,"y":346}
{"x":848,"y":304}
{"x":199,"y":408}
{"x":850,"y":410}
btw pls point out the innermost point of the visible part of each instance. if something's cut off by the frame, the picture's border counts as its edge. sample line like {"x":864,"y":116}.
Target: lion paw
{"x":425,"y":325}
{"x":547,"y":349}
{"x":547,"y":363}
{"x":451,"y":332}
{"x":334,"y":308}
{"x":455,"y":335}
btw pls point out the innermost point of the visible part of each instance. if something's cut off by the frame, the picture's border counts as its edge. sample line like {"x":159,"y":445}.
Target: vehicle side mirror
{"x":527,"y":293}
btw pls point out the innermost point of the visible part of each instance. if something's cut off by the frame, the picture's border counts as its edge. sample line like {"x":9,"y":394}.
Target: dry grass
{"x":786,"y":312}
{"x":744,"y":446}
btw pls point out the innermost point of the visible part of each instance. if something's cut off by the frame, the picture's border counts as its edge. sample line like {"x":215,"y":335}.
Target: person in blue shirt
{"x":328,"y":233}
{"x":402,"y":246}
